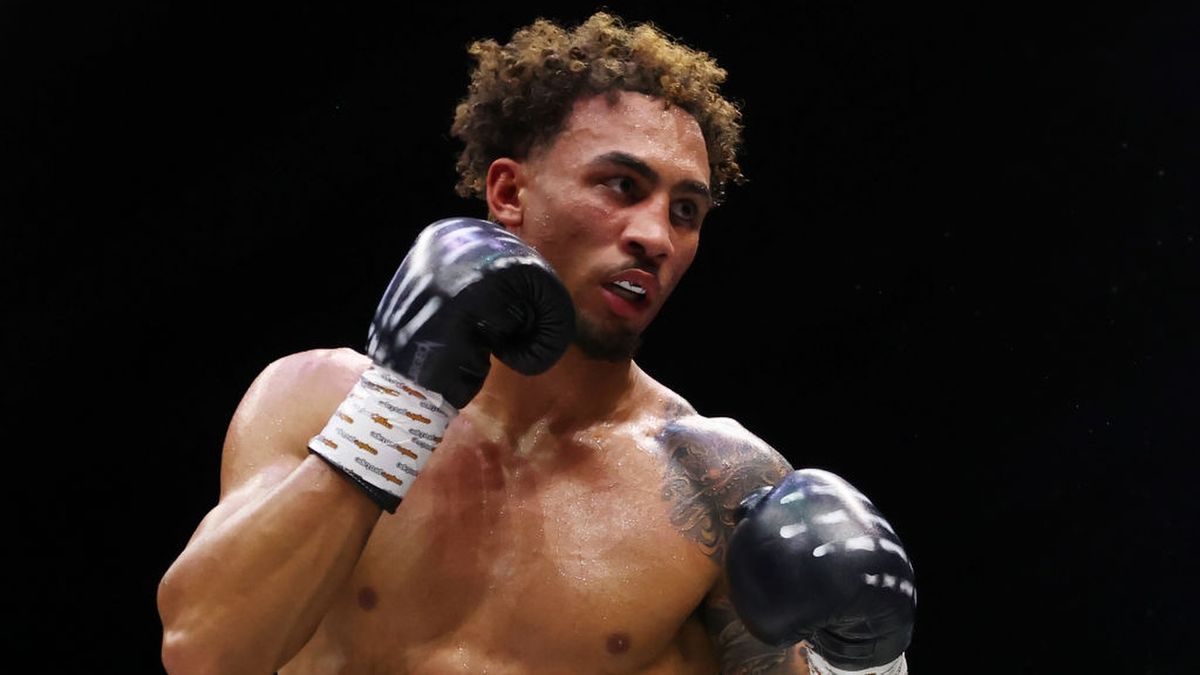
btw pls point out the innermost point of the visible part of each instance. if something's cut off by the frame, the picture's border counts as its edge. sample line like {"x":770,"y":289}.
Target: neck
{"x":575,"y":393}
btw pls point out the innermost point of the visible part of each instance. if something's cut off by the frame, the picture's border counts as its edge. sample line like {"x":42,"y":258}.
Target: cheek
{"x":684,"y":261}
{"x":565,"y":255}
{"x":567,"y":227}
{"x":687,"y":254}
{"x":569,"y":214}
{"x":570,"y":235}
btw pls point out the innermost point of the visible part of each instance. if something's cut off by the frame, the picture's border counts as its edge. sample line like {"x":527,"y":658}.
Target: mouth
{"x":624,"y":301}
{"x":631,"y":293}
{"x":630,"y":290}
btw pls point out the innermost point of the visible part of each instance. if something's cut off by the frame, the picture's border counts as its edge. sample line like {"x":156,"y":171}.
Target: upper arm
{"x":714,"y":464}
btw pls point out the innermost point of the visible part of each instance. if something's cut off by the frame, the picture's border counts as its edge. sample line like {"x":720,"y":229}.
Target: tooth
{"x":630,"y":286}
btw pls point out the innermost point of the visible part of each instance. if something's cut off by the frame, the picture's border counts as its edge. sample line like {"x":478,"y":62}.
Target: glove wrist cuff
{"x":383,"y":433}
{"x":817,"y":665}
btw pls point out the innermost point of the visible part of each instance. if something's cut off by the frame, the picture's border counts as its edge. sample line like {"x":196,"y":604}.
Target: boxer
{"x":495,"y":485}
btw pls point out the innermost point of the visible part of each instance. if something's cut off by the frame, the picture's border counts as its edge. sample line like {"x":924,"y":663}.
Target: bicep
{"x":737,"y":650}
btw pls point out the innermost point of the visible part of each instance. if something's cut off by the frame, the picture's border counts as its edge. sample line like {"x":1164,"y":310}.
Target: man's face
{"x":615,"y":204}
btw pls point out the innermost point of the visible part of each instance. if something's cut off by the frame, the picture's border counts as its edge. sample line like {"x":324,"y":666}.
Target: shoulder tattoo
{"x":711,"y":466}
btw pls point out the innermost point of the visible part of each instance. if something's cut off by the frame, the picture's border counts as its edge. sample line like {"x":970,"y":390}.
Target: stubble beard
{"x":604,"y":344}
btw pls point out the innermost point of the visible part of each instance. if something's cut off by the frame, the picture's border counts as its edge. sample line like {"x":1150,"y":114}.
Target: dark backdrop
{"x":963,"y":275}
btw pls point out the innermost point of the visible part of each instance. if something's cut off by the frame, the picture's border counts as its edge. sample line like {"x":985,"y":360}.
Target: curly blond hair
{"x":521,"y":93}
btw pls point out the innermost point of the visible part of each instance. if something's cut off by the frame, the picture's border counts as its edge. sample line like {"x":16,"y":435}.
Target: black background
{"x":963,"y":275}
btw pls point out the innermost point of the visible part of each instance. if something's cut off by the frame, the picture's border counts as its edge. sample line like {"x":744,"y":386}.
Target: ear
{"x":505,"y":181}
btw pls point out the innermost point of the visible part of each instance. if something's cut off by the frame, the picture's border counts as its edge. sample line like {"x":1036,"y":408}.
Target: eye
{"x":624,"y":185}
{"x":687,"y":211}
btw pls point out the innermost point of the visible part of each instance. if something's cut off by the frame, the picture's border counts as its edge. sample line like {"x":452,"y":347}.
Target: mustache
{"x":643,"y":264}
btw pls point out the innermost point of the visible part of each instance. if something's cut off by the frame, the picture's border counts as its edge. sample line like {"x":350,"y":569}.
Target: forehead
{"x":667,"y":138}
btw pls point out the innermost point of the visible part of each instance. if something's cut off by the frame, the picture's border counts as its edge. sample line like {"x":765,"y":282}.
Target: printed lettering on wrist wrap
{"x":819,"y":666}
{"x":383,"y":433}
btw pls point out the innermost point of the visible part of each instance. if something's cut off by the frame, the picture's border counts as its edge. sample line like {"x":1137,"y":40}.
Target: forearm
{"x":253,"y":584}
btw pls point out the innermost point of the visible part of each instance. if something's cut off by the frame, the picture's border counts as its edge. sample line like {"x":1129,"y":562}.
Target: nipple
{"x":618,"y":643}
{"x":367,"y":598}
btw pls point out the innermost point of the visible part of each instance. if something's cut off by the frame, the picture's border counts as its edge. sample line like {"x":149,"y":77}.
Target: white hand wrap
{"x":819,"y":666}
{"x":385,"y":430}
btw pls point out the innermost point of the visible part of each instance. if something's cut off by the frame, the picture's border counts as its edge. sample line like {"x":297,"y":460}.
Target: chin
{"x":605,"y":344}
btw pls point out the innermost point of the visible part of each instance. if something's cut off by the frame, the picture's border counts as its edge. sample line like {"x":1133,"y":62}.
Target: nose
{"x":648,"y":232}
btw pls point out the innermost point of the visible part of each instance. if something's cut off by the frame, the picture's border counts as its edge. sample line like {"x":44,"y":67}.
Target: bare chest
{"x":560,"y":554}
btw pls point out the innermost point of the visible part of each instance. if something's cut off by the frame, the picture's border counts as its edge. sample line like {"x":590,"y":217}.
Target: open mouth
{"x":628,"y":290}
{"x":625,"y":302}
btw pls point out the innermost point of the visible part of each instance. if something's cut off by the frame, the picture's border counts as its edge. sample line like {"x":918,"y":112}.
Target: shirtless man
{"x":576,"y":515}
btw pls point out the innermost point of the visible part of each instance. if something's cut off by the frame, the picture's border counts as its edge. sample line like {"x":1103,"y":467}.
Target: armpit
{"x":713,"y":464}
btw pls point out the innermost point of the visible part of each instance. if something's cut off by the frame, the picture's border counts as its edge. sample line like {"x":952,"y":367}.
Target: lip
{"x":622,"y":307}
{"x":644,"y":279}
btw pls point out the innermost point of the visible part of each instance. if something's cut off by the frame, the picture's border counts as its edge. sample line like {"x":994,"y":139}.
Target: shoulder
{"x":320,"y":367}
{"x":299,"y":384}
{"x":287,"y":403}
{"x":712,"y":464}
{"x":685,"y":429}
{"x":304,"y":378}
{"x":722,"y":443}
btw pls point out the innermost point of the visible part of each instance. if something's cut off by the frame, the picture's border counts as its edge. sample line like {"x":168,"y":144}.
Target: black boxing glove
{"x":467,"y":289}
{"x":813,"y":559}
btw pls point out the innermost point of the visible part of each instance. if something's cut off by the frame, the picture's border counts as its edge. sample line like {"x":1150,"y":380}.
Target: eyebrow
{"x":643,"y":169}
